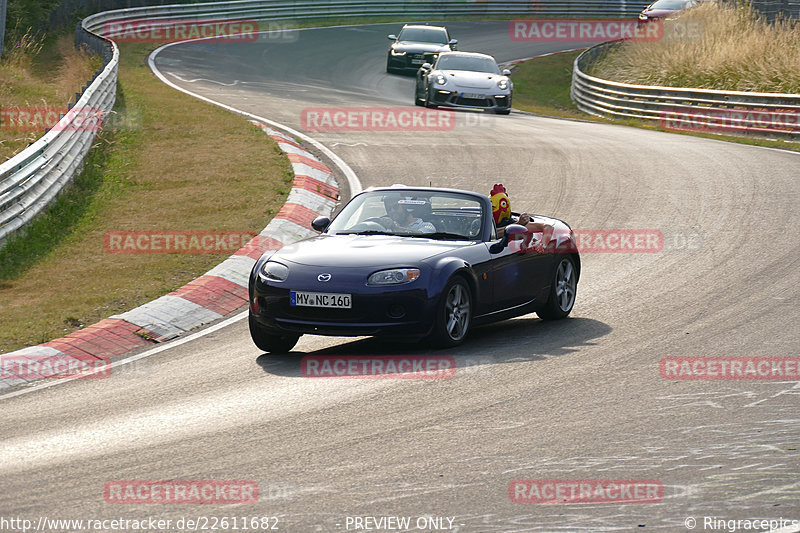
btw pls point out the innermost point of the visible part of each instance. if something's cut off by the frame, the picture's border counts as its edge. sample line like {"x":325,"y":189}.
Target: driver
{"x":400,"y":215}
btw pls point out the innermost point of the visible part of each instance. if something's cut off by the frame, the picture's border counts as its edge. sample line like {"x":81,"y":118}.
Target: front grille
{"x":475,"y":102}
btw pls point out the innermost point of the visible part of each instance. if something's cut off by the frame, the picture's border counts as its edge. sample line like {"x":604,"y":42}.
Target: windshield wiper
{"x":365,"y":232}
{"x":440,"y":235}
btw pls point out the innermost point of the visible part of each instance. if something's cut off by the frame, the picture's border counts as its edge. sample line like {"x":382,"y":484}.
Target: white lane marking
{"x":116,"y":364}
{"x":194,"y":80}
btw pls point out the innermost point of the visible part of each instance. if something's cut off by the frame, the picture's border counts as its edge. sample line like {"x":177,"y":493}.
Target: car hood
{"x":472,"y":80}
{"x":414,"y":47}
{"x":364,"y":250}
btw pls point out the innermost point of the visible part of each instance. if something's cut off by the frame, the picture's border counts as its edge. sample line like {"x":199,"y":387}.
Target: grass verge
{"x":716,"y":46}
{"x":166,"y":162}
{"x":39,"y":73}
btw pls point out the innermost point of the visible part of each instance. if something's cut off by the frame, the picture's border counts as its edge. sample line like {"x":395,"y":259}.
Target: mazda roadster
{"x":411,"y":262}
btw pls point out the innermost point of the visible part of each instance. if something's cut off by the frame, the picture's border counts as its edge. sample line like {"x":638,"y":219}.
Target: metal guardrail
{"x":706,"y":110}
{"x":33,"y":178}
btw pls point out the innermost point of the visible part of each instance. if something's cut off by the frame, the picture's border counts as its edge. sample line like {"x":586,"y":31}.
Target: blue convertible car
{"x":410,"y":262}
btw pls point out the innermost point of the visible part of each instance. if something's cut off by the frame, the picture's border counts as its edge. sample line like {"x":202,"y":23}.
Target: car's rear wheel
{"x":269,"y":342}
{"x":453,"y":314}
{"x":563,"y":290}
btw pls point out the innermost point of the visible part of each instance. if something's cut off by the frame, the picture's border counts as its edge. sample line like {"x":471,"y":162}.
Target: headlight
{"x":503,"y":84}
{"x":275,"y":271}
{"x":441,"y":80}
{"x":394,"y":276}
{"x":396,"y":53}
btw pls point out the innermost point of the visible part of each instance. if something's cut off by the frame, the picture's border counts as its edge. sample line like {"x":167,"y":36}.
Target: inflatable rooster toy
{"x":501,"y":206}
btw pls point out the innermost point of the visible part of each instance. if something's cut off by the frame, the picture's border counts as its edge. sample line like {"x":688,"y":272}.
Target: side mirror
{"x":453,"y":42}
{"x":320,"y":223}
{"x":392,"y":37}
{"x":500,"y":245}
{"x":511,"y":229}
{"x":506,"y":72}
{"x":426,"y":66}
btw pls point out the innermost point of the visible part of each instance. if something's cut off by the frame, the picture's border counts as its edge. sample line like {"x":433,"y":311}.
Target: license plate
{"x":417,"y":61}
{"x":320,"y":299}
{"x":474,"y":96}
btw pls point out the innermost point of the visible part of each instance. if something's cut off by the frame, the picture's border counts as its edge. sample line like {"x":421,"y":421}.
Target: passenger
{"x":501,"y":210}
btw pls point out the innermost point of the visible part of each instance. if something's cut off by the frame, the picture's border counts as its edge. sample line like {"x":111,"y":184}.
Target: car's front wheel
{"x":453,"y":314}
{"x":269,"y":342}
{"x":563,"y":289}
{"x":417,"y":100}
{"x":428,"y":99}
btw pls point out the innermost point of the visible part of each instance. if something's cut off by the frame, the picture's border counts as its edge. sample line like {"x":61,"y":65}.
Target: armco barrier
{"x":713,"y":111}
{"x":33,"y":178}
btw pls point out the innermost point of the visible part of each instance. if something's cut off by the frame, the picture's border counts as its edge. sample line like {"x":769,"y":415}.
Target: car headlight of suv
{"x":396,"y":53}
{"x":440,"y":79}
{"x":502,"y":84}
{"x":274,"y":271}
{"x":394,"y":276}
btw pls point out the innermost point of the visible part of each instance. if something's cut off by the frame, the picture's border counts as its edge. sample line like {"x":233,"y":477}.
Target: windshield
{"x":437,"y":215}
{"x":471,"y":63}
{"x":423,"y":35}
{"x":675,"y":5}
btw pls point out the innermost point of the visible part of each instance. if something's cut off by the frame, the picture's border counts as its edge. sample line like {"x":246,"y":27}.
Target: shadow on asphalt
{"x":525,"y":338}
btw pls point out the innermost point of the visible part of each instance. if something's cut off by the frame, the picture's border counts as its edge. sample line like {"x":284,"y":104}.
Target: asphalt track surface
{"x":577,"y":399}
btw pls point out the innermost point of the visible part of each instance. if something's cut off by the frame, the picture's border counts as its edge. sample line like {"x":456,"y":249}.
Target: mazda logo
{"x":324,"y":277}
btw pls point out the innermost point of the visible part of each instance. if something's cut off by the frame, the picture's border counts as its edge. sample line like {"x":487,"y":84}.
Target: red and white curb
{"x":218,"y":293}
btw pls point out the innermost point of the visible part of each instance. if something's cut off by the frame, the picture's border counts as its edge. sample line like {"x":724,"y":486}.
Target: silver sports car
{"x":464,"y":79}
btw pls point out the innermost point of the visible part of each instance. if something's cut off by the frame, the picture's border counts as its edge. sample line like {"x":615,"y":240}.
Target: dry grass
{"x":713,"y":46}
{"x":173,"y":163}
{"x":39,"y":73}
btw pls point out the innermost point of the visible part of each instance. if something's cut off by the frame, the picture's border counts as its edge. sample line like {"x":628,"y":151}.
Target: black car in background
{"x":416,"y":45}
